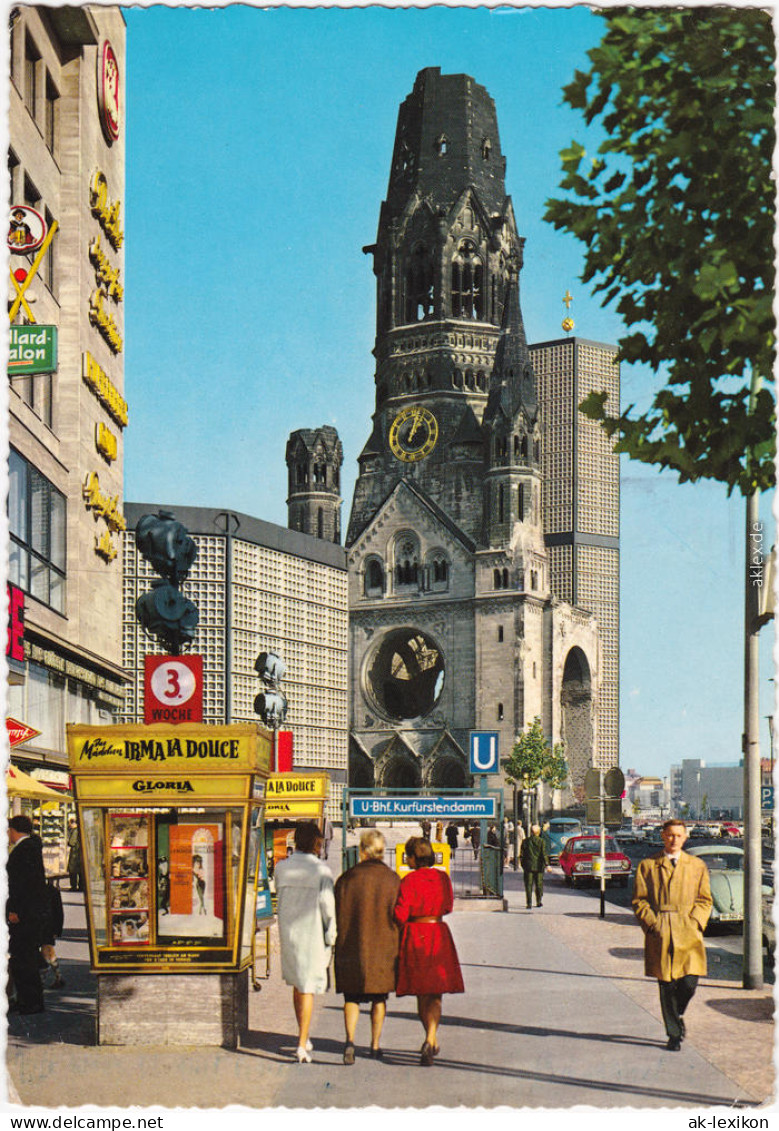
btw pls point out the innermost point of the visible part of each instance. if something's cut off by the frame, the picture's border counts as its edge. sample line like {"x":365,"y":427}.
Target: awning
{"x":20,"y":784}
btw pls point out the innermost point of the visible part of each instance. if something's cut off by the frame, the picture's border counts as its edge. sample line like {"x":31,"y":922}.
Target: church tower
{"x":453,"y":624}
{"x":314,"y":460}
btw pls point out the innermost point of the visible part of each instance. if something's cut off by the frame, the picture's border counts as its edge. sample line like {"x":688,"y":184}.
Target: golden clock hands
{"x":417,"y":418}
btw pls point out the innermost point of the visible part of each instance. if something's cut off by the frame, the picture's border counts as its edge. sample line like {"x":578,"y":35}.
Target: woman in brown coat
{"x":366,"y":949}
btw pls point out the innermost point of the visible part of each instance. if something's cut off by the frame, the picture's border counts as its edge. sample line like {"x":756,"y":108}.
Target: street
{"x":557,"y":1012}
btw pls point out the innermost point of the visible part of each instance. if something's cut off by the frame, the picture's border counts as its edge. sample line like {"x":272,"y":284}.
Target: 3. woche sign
{"x":295,"y":796}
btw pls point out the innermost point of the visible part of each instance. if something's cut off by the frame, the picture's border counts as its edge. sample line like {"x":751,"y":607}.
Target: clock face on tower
{"x":413,"y":433}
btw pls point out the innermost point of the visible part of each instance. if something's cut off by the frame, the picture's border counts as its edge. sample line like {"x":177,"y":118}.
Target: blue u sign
{"x":484,"y":752}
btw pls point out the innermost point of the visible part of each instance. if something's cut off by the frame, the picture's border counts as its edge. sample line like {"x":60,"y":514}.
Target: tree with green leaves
{"x":532,"y":760}
{"x":676,"y":210}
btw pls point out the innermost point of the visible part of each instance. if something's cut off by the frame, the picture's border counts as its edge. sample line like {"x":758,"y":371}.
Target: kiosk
{"x":171,"y":828}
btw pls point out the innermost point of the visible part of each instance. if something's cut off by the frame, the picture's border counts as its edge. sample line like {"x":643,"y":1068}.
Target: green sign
{"x":32,"y":349}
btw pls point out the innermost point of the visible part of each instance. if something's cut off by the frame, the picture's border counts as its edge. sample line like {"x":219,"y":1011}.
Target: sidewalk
{"x":557,"y":1012}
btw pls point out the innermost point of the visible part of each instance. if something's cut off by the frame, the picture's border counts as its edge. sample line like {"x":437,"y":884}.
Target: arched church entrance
{"x":449,"y":773}
{"x":577,"y":720}
{"x":401,"y":773}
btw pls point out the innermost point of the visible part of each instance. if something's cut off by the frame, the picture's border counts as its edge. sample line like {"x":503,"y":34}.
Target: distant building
{"x":702,"y":791}
{"x":646,"y":796}
{"x":258,"y":587}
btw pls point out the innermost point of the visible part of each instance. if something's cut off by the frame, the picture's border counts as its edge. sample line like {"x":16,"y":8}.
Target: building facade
{"x":66,"y":163}
{"x":462,"y":616}
{"x":702,"y":791}
{"x":257,"y":587}
{"x":580,"y":503}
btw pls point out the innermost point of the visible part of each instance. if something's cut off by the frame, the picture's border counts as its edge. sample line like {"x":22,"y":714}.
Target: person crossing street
{"x":534,"y":860}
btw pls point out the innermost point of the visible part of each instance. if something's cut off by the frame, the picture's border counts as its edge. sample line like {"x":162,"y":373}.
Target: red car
{"x":578,"y":856}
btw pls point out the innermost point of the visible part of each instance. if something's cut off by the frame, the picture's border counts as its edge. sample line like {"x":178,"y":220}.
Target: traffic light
{"x":167,"y":614}
{"x":166,"y":545}
{"x":164,"y":611}
{"x":271,"y":704}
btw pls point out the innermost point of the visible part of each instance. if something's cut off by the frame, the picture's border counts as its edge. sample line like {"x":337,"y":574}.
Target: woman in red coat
{"x":428,"y":965}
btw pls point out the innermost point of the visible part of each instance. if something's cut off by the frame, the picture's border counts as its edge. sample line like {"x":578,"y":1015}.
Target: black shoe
{"x":376,"y":1054}
{"x":674,"y":1044}
{"x":348,"y":1053}
{"x":539,"y":905}
{"x":426,"y":1057}
{"x":529,"y":907}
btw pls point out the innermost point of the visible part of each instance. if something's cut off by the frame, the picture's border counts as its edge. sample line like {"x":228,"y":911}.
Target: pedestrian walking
{"x":452,"y":838}
{"x":439,"y":832}
{"x":306,"y":915}
{"x":74,"y":856}
{"x":672,"y":900}
{"x":534,"y":859}
{"x":367,"y":940}
{"x":27,"y":915}
{"x":475,"y":839}
{"x":428,"y":965}
{"x":426,"y":827}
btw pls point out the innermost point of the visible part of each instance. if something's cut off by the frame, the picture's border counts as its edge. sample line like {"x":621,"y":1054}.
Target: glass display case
{"x":170,"y":819}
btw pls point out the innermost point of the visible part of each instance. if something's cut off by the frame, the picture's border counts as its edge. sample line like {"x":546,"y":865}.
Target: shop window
{"x":37,"y":524}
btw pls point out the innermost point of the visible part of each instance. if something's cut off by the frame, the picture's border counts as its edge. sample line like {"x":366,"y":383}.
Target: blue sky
{"x":258,"y":152}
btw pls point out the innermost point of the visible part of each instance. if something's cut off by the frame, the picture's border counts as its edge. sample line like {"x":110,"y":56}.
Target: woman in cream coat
{"x":306,"y":915}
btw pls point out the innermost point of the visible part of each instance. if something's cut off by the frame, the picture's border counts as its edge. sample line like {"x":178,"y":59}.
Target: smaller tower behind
{"x":314,"y":459}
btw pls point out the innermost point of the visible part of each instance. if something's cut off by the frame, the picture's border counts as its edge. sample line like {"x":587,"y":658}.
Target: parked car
{"x":558,"y":832}
{"x":726,"y":872}
{"x":728,"y":829}
{"x":699,"y":832}
{"x":576,"y":861}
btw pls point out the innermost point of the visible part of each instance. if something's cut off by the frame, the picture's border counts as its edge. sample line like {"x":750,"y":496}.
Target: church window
{"x":467,"y":282}
{"x":496,"y":579}
{"x":320,"y":474}
{"x":441,"y":142}
{"x":302,"y":474}
{"x":500,"y":712}
{"x":500,"y":634}
{"x":501,"y":503}
{"x":523,"y":448}
{"x":520,"y":503}
{"x":374,"y":578}
{"x":407,"y":562}
{"x":486,"y":149}
{"x":481,"y":380}
{"x":419,"y":285}
{"x":533,"y":579}
{"x":440,"y":569}
{"x":320,"y":523}
{"x":536,"y":451}
{"x":469,"y":378}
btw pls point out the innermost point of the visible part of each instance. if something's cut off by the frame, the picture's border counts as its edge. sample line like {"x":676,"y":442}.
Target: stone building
{"x":459,"y":619}
{"x":67,"y":412}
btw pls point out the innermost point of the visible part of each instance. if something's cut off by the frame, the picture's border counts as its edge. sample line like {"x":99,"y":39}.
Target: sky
{"x":258,"y":152}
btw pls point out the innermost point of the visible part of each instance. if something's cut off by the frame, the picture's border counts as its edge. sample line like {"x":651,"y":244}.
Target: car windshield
{"x":564,"y":826}
{"x":590,"y":844}
{"x":723,"y":861}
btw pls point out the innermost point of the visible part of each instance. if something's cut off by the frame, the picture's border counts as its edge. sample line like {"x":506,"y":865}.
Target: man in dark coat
{"x":26,"y":912}
{"x":367,"y":939}
{"x":534,"y":859}
{"x":74,"y":856}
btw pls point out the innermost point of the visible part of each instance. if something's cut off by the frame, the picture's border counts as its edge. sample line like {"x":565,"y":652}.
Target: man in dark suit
{"x":26,"y":912}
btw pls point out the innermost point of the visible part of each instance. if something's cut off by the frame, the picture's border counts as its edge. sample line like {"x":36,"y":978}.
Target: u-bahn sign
{"x":413,"y":808}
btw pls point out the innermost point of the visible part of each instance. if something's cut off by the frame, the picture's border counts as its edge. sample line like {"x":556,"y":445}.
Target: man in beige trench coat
{"x":672,"y":900}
